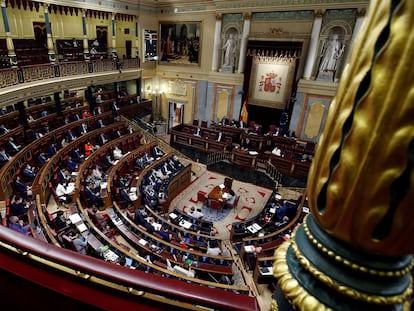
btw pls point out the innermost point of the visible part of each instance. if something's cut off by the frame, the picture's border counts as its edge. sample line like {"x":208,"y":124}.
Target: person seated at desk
{"x":109,"y":161}
{"x":3,"y":129}
{"x":99,"y":220}
{"x":83,"y":129}
{"x":225,"y":121}
{"x":4,"y":157}
{"x":64,"y":191}
{"x":290,"y":134}
{"x":18,"y":207}
{"x":230,"y":198}
{"x":97,"y":111}
{"x":77,"y":156}
{"x":52,"y":150}
{"x":86,"y":114}
{"x":21,"y":187}
{"x":241,"y":124}
{"x":17,"y":224}
{"x":198,"y":132}
{"x":117,"y":153}
{"x":251,"y":256}
{"x":213,"y":248}
{"x":64,"y":176}
{"x":88,"y":149}
{"x":246,"y":144}
{"x":157,"y":152}
{"x":43,"y":158}
{"x":284,"y":213}
{"x":72,"y":165}
{"x":93,"y":193}
{"x":102,"y":139}
{"x":99,"y":123}
{"x":165,"y":234}
{"x":70,"y":136}
{"x":195,"y":213}
{"x":220,"y":137}
{"x":13,"y":146}
{"x":37,"y":135}
{"x":29,"y":172}
{"x":79,"y":242}
{"x":277,"y":152}
{"x":60,"y":220}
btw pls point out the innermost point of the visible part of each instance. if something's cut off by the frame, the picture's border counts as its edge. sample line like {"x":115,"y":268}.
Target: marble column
{"x":113,"y":26}
{"x":244,"y":40}
{"x":50,"y":50}
{"x":9,"y":41}
{"x":313,"y":45}
{"x":136,"y":38}
{"x":358,"y":23}
{"x":86,"y":55}
{"x":217,"y":43}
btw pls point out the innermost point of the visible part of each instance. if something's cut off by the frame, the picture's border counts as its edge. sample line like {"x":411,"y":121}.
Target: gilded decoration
{"x":352,"y":154}
{"x":314,"y":119}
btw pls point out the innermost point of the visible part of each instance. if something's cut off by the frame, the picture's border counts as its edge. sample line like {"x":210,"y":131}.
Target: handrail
{"x":88,"y":279}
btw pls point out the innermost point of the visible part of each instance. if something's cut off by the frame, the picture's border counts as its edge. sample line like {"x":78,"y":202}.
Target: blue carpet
{"x":214,"y":215}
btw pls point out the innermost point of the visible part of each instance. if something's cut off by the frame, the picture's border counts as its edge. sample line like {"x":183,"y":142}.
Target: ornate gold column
{"x":353,"y":251}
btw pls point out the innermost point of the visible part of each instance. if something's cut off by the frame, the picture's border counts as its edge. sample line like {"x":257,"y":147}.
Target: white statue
{"x":331,"y":53}
{"x":230,"y":51}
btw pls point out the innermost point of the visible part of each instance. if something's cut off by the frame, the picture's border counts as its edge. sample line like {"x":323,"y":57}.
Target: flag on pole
{"x":244,"y":114}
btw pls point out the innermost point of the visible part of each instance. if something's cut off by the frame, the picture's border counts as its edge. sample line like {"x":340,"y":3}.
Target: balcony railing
{"x":15,"y":76}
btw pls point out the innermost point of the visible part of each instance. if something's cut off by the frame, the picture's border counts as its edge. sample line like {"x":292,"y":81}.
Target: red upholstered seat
{"x":201,"y":196}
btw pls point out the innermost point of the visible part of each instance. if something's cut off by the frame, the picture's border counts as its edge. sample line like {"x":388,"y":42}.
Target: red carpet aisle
{"x":252,"y":201}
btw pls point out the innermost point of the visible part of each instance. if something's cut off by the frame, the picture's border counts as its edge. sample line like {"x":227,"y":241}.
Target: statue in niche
{"x":331,"y":54}
{"x":230,"y":49}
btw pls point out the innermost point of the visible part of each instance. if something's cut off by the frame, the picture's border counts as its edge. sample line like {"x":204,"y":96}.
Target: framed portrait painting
{"x":150,"y":45}
{"x":180,"y":43}
{"x":271,"y":81}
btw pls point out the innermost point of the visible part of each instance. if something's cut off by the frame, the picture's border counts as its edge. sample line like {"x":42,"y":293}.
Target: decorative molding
{"x":232,"y":17}
{"x":283,"y":15}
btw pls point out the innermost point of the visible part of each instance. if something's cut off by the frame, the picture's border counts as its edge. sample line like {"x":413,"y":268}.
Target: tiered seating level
{"x":135,"y":235}
{"x":184,"y":135}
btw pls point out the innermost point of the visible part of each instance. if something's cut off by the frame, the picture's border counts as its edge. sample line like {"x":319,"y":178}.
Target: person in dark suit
{"x":114,"y":108}
{"x":77,"y":156}
{"x":72,"y":165}
{"x":83,"y":129}
{"x":18,"y":207}
{"x":3,"y":129}
{"x":52,"y":149}
{"x":70,"y":136}
{"x":220,"y":137}
{"x":93,"y":194}
{"x":13,"y":146}
{"x":102,"y":139}
{"x":21,"y":187}
{"x":4,"y":157}
{"x":99,"y":123}
{"x":198,"y":132}
{"x":28,"y":172}
{"x":42,"y":158}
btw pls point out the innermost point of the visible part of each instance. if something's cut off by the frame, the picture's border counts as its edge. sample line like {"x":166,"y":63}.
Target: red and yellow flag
{"x":244,"y":114}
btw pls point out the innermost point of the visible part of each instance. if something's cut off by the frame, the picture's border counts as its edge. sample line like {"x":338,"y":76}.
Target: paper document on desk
{"x":82,"y":227}
{"x":143,"y":242}
{"x":74,"y":218}
{"x":256,"y":226}
{"x":249,"y":248}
